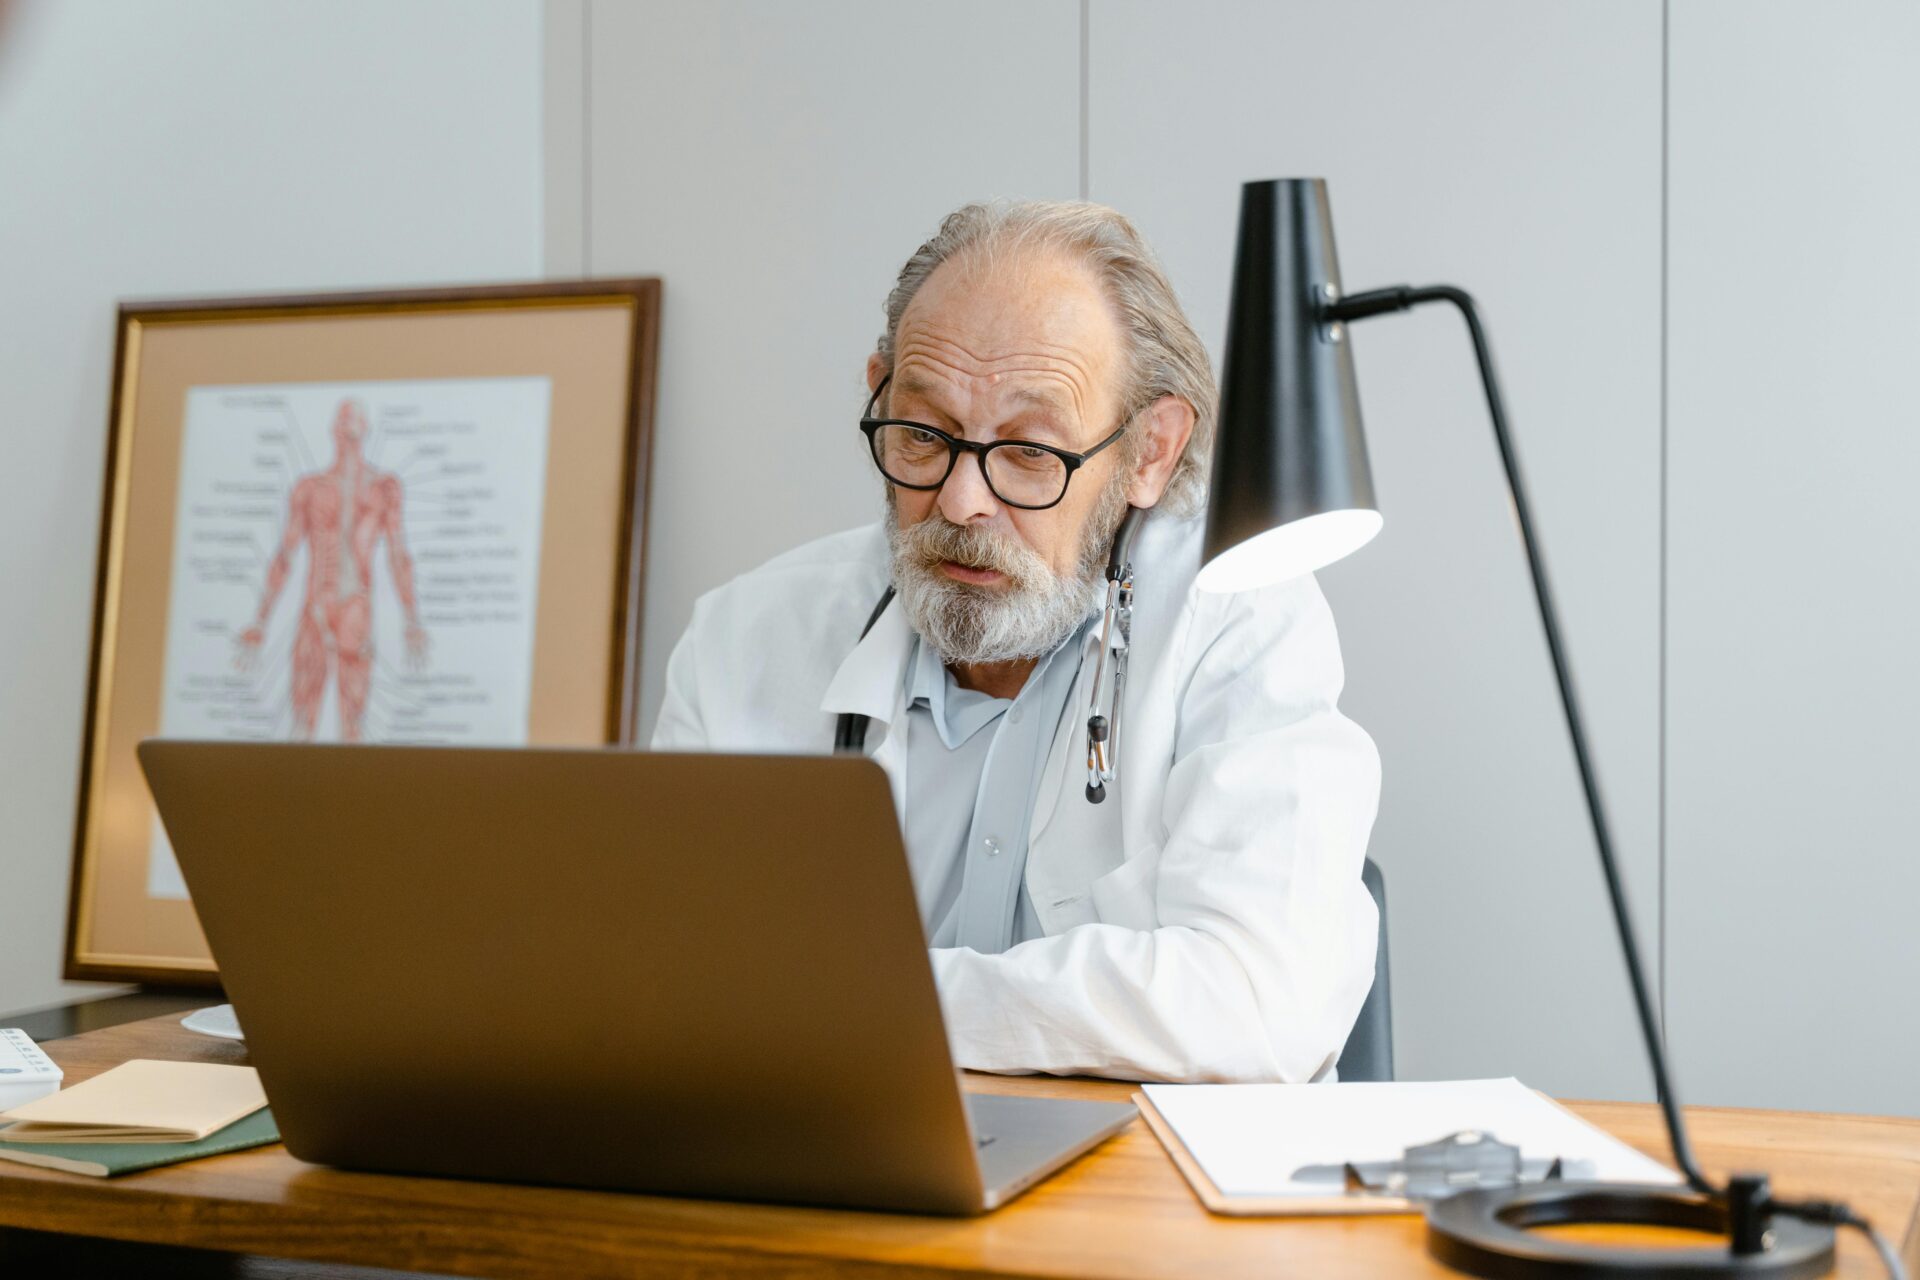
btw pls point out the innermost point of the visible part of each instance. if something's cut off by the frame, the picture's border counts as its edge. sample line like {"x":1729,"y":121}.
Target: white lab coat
{"x":1208,"y":922}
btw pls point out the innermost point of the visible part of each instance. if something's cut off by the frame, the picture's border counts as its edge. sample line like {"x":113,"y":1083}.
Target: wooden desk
{"x":1122,"y":1211}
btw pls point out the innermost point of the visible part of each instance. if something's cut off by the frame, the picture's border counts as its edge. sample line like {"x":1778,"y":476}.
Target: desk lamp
{"x":1292,"y":492}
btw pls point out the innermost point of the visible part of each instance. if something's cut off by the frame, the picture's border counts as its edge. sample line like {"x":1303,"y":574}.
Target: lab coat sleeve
{"x":1264,"y":945}
{"x":681,"y":727}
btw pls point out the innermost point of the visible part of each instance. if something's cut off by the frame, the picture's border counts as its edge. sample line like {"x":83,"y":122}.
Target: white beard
{"x":1029,"y":618}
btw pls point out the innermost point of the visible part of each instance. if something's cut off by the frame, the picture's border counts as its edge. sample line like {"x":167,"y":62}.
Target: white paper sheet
{"x":1251,"y":1138}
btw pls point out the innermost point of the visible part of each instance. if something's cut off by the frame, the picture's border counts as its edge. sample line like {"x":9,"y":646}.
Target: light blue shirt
{"x":972,"y":775}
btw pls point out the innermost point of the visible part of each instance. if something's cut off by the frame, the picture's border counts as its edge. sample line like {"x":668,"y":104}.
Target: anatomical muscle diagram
{"x":355,"y":562}
{"x":339,"y":517}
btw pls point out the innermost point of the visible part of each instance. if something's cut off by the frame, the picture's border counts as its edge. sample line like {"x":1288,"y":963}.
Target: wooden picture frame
{"x":481,"y":524}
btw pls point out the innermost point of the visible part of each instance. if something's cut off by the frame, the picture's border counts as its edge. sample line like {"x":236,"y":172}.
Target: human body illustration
{"x":340,"y":515}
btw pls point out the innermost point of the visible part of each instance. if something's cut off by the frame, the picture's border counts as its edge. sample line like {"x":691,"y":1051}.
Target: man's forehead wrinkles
{"x":917,"y":366}
{"x":1058,"y":392}
{"x":1033,"y":350}
{"x":935,"y":359}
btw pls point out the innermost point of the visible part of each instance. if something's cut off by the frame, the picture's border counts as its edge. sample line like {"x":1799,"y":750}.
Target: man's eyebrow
{"x":914,"y":384}
{"x":1050,"y":401}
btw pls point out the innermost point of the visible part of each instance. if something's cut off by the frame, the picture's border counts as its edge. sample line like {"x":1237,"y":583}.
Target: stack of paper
{"x":140,"y":1101}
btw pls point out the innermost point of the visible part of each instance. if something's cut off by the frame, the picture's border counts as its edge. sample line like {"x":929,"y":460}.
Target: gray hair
{"x":1165,"y":356}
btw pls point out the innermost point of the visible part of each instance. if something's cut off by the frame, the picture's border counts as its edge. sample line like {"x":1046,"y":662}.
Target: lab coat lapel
{"x":871,"y":682}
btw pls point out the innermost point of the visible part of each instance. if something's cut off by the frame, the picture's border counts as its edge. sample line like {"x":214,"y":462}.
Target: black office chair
{"x":1368,"y":1054}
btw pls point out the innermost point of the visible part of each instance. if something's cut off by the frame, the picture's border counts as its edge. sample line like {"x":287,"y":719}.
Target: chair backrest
{"x":1368,"y":1054}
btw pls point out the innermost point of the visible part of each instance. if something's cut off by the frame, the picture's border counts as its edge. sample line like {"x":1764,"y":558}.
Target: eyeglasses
{"x":1021,"y":473}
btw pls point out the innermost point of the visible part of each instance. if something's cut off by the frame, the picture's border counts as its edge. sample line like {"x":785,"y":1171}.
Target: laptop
{"x":693,"y":975}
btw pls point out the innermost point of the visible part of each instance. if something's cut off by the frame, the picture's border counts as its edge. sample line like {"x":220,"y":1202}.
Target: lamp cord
{"x":1375,"y":302}
{"x":1888,"y":1257}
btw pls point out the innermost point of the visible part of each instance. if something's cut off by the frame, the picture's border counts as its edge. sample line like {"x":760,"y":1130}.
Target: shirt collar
{"x":960,"y":713}
{"x":957,"y":713}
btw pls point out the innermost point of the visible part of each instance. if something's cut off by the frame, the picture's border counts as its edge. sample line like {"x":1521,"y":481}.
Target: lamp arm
{"x":1403,"y":297}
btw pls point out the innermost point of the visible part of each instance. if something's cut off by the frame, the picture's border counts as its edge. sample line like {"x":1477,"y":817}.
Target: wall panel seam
{"x":1660,"y":933}
{"x":1086,"y":99}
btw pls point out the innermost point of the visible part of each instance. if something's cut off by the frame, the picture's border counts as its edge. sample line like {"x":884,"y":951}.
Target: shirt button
{"x":992,"y":845}
{"x":1014,"y":715}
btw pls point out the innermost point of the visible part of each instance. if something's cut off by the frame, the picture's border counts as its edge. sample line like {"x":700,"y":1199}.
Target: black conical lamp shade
{"x":1292,"y":490}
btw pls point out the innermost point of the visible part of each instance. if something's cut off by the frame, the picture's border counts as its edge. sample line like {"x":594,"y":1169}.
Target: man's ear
{"x":1165,"y":426}
{"x":876,"y":370}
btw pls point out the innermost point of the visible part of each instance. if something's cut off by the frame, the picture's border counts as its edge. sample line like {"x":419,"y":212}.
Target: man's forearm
{"x":1169,"y":1004}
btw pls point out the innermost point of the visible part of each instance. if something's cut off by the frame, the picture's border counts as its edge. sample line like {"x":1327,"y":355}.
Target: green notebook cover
{"x":104,"y":1159}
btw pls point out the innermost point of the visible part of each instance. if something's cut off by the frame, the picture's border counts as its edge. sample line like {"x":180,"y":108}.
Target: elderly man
{"x":1036,"y":380}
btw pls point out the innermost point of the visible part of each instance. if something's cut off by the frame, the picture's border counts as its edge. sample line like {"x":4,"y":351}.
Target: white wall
{"x":1793,"y":852}
{"x":162,"y":150}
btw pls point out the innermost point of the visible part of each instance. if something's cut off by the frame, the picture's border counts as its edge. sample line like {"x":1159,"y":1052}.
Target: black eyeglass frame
{"x":870,"y":427}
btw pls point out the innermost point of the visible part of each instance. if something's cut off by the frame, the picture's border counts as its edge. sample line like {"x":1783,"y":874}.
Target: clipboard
{"x":1375,"y":1148}
{"x":1259,"y":1206}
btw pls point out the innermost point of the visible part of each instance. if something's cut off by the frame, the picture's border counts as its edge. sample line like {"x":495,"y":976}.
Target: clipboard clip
{"x":1463,"y":1161}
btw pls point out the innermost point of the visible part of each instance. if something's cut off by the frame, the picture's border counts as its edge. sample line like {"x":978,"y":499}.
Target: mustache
{"x":937,"y":539}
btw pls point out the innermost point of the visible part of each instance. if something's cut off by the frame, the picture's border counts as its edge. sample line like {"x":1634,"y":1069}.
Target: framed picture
{"x":375,"y":517}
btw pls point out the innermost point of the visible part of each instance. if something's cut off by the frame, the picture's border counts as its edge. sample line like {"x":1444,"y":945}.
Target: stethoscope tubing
{"x":1103,"y":731}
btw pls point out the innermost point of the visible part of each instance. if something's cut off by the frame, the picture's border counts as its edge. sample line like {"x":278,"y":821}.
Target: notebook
{"x":140,"y":1101}
{"x":1243,"y":1147}
{"x":105,"y":1159}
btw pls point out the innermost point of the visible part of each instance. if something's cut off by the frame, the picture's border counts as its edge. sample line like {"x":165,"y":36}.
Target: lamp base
{"x":1489,"y":1233}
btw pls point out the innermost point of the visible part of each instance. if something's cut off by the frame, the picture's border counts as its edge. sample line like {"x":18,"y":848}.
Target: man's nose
{"x":965,"y":496}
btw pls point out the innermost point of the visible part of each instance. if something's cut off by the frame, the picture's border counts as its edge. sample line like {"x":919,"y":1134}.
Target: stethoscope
{"x":1109,"y":672}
